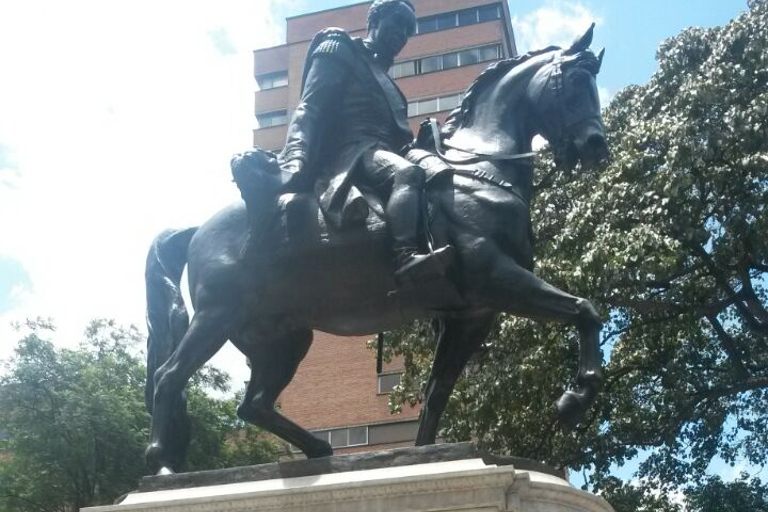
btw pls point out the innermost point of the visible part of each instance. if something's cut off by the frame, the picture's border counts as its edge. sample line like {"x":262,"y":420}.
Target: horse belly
{"x":342,"y":285}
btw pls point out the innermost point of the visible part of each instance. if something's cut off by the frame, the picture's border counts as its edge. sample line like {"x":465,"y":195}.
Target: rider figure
{"x":351,"y":123}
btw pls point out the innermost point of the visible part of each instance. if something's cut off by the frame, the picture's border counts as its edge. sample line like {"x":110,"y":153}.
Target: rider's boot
{"x":403,"y":211}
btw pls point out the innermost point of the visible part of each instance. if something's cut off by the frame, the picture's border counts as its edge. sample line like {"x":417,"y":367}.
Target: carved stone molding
{"x":469,"y":486}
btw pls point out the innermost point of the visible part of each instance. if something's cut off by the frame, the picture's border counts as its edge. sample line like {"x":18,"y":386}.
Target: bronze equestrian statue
{"x":335,"y":271}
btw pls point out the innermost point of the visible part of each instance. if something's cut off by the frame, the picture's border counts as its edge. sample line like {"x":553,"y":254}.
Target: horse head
{"x":550,"y":92}
{"x":564,"y":99}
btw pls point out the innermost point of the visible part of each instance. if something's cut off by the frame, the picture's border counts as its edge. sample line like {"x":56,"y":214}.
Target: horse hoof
{"x":571,"y":408}
{"x":156,"y":460}
{"x":322,"y":450}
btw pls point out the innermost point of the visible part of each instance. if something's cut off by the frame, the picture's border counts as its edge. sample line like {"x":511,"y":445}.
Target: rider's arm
{"x":322,"y":88}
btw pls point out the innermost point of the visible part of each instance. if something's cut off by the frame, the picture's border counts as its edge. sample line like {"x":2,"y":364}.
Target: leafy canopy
{"x":74,"y":426}
{"x":669,"y":241}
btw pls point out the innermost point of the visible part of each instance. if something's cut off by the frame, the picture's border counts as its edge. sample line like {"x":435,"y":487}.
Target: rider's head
{"x":390,"y":24}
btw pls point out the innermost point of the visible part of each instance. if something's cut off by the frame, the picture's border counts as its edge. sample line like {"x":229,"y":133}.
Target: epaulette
{"x":333,"y":41}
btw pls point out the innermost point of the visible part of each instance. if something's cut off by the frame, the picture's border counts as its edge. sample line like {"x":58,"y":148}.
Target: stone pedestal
{"x":451,"y":478}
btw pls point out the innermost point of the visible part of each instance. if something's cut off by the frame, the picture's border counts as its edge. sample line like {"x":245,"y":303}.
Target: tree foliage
{"x":739,"y":496}
{"x":75,"y":427}
{"x":626,"y":497}
{"x":669,"y":241}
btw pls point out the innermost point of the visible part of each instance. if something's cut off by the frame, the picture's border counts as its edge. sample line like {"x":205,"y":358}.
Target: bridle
{"x":561,"y":137}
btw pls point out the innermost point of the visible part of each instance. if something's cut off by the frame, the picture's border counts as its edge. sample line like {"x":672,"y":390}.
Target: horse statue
{"x":303,"y":275}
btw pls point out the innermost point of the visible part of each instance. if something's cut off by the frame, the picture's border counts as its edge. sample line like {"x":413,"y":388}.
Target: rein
{"x":477,"y":156}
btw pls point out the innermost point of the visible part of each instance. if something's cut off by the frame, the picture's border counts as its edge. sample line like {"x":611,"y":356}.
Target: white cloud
{"x":605,"y":95}
{"x":538,"y":143}
{"x":559,"y":22}
{"x":121,"y":118}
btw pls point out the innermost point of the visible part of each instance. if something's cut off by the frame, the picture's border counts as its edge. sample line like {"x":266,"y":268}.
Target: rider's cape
{"x":334,"y":170}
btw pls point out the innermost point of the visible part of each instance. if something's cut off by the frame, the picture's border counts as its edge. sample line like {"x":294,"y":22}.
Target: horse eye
{"x":572,"y":101}
{"x":579,"y":79}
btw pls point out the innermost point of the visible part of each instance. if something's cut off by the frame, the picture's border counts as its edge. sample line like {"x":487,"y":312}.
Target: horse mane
{"x":464,"y":111}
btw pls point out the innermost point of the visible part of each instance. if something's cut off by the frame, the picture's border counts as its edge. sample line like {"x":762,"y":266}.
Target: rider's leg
{"x":403,"y":183}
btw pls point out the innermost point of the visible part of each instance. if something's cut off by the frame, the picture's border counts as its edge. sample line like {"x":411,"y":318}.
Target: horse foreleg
{"x":169,"y":435}
{"x":273,"y":365}
{"x":514,"y":289}
{"x":458,"y":339}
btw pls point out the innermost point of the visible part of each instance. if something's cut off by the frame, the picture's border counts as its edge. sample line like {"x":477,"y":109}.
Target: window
{"x":401,"y":69}
{"x":450,"y":102}
{"x":426,"y":25}
{"x":431,"y":105}
{"x":489,"y":53}
{"x":275,"y":118}
{"x":446,"y":21}
{"x":445,"y":61}
{"x":461,"y":18}
{"x":388,"y":382}
{"x":358,"y":436}
{"x":339,"y":437}
{"x":489,"y":12}
{"x":467,"y":17}
{"x":432,"y":64}
{"x":343,"y":437}
{"x":428,"y":106}
{"x":272,"y":80}
{"x":469,"y":57}
{"x":450,"y":60}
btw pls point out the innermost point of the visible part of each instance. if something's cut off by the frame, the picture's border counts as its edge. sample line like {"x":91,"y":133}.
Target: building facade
{"x":336,"y":392}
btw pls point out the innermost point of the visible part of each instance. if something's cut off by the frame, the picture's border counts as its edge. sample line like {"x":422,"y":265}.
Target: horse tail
{"x":167,"y":317}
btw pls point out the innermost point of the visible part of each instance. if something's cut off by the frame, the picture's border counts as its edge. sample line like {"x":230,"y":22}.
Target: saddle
{"x":257,"y":175}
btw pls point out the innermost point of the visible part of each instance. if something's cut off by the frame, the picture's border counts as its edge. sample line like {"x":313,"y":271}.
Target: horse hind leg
{"x":457,"y":340}
{"x":273,"y":365}
{"x":169,"y":433}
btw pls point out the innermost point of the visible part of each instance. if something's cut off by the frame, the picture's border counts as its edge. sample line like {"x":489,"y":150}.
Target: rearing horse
{"x":306,"y":276}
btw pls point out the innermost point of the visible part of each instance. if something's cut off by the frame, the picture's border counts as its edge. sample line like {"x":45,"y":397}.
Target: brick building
{"x":336,"y":392}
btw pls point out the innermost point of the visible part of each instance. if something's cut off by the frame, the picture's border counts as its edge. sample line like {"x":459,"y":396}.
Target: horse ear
{"x":600,"y":59}
{"x":583,"y":42}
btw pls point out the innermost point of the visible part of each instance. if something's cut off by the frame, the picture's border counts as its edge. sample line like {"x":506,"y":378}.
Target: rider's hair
{"x":379,"y":7}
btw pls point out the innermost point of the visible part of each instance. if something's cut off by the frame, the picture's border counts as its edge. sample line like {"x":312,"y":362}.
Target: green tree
{"x":75,"y":426}
{"x":740,"y":496}
{"x":669,"y":241}
{"x":625,"y":497}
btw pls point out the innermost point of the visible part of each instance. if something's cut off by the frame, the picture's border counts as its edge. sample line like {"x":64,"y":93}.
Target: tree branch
{"x":753,"y":324}
{"x":656,"y":306}
{"x":713,"y":393}
{"x":729,"y":345}
{"x":750,"y":297}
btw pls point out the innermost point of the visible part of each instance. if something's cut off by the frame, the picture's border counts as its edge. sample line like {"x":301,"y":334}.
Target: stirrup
{"x":419,"y":268}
